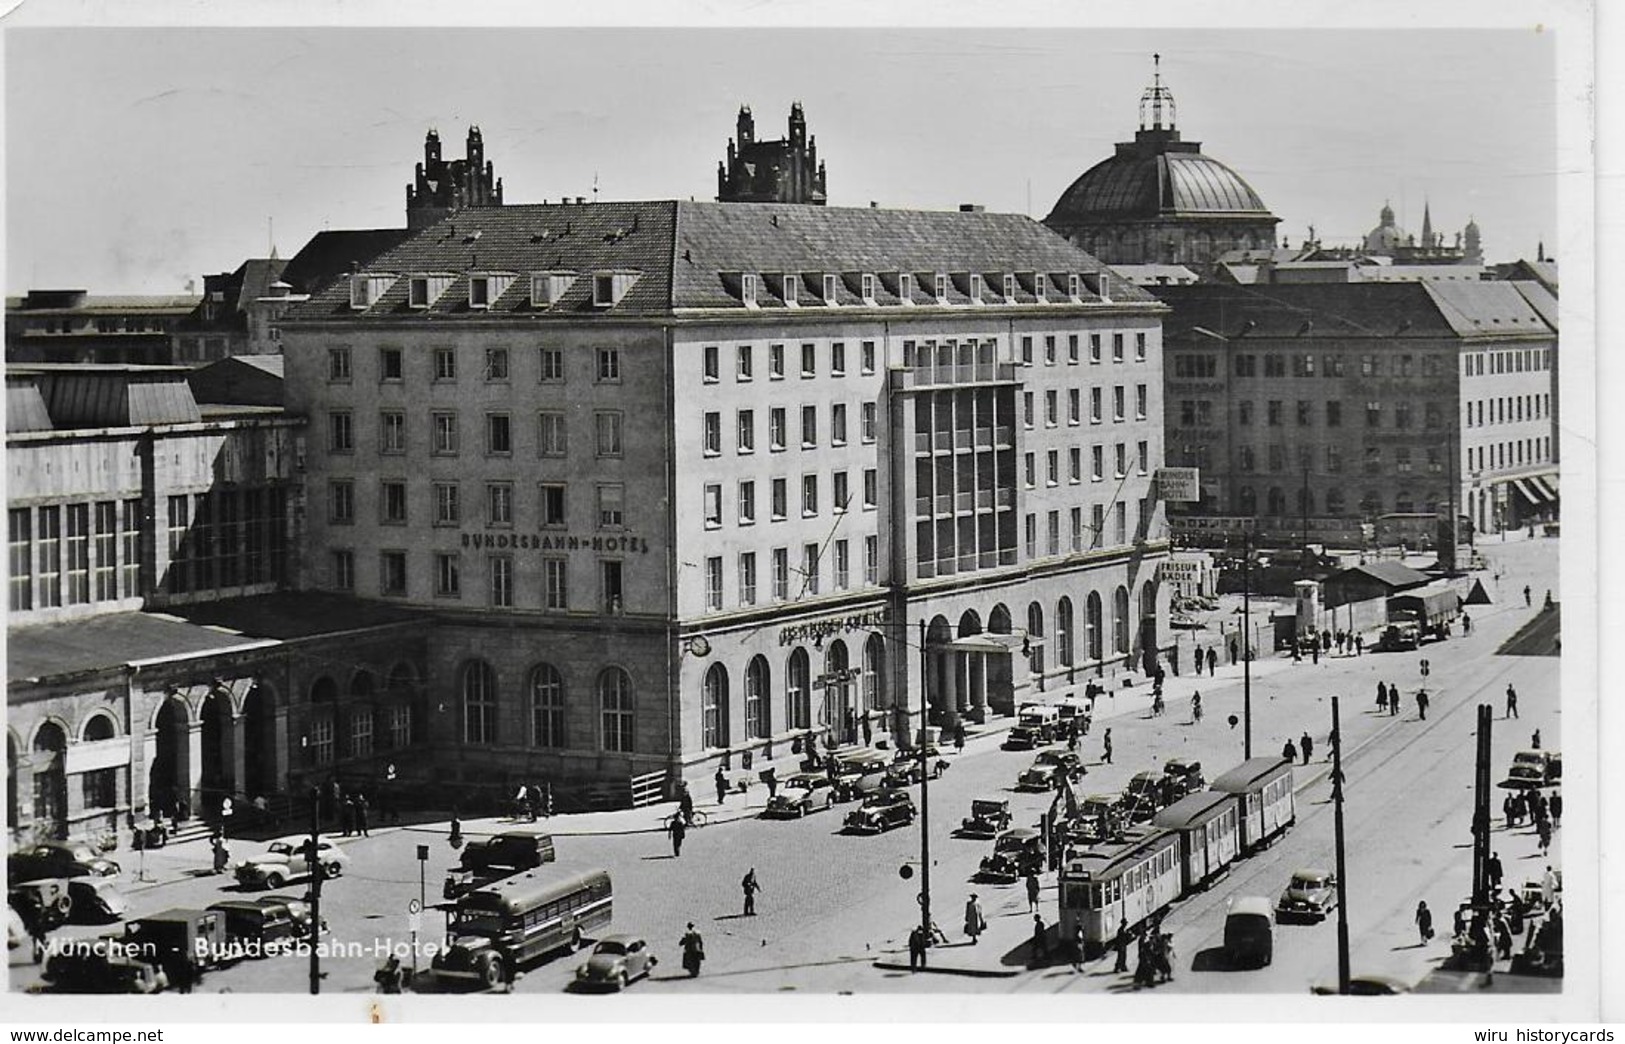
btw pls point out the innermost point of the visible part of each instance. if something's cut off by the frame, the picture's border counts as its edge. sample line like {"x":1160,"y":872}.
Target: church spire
{"x":1427,"y":227}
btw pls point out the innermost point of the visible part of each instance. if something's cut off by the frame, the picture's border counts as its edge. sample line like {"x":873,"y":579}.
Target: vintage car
{"x":46,"y":901}
{"x":1311,"y":895}
{"x":987,"y":817}
{"x":255,"y":927}
{"x":1403,"y":635}
{"x":1371,"y":985}
{"x":288,"y":859}
{"x":1036,"y":724}
{"x":102,"y":968}
{"x":904,"y":771}
{"x":494,"y":858}
{"x":1100,"y":818}
{"x":1183,"y":776}
{"x":860,"y":775}
{"x":96,"y":900}
{"x":1534,"y":768}
{"x":615,"y":962}
{"x":298,"y":909}
{"x":1048,"y":769}
{"x":1015,"y":852}
{"x":1145,"y":797}
{"x":57,"y":859}
{"x":1071,"y":709}
{"x":802,"y":793}
{"x":880,"y":812}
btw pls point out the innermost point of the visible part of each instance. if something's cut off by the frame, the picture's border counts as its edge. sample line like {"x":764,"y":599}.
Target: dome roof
{"x":1138,"y":182}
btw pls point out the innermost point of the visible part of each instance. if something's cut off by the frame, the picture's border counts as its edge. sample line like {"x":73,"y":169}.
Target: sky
{"x":140,"y":158}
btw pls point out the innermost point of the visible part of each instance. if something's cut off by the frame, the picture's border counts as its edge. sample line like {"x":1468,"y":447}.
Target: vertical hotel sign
{"x":1179,"y":485}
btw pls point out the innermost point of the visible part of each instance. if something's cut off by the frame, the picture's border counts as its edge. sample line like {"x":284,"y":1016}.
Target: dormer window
{"x":425,"y":289}
{"x":975,"y":288}
{"x":867,"y":283}
{"x":905,"y":287}
{"x":830,"y":284}
{"x":747,"y":289}
{"x":792,"y":287}
{"x":1074,"y":287}
{"x":609,"y":287}
{"x":546,"y":288}
{"x":366,"y":288}
{"x":484,"y":288}
{"x":942,"y":288}
{"x":1103,"y":285}
{"x":1009,"y":288}
{"x":1041,"y":287}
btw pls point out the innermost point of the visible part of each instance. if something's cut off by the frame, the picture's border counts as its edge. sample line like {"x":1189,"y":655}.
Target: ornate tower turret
{"x":784,"y":171}
{"x":441,"y":188}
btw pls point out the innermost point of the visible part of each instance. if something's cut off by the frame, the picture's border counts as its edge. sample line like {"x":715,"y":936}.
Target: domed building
{"x":1159,"y":200}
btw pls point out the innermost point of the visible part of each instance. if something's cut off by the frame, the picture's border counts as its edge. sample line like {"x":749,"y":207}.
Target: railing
{"x":649,"y":788}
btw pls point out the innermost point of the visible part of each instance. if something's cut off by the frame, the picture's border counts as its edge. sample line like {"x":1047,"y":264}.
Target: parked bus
{"x":1262,"y":788}
{"x":520,"y":919}
{"x":1132,"y":882}
{"x":1209,"y":833}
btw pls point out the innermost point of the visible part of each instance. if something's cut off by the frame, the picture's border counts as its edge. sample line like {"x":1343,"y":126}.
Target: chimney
{"x":971,"y":208}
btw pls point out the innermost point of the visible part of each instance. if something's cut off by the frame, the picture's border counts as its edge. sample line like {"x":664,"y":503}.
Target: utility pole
{"x":1482,"y":899}
{"x":1303,"y":503}
{"x":1342,"y":870}
{"x":1246,"y":644}
{"x":925,"y":790}
{"x":315,"y":890}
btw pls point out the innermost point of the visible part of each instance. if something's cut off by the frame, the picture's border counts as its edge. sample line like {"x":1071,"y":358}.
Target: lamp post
{"x":1246,"y":643}
{"x":925,"y":791}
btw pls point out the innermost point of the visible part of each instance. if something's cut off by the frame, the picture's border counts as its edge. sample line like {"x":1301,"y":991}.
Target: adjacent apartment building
{"x":687,"y":483}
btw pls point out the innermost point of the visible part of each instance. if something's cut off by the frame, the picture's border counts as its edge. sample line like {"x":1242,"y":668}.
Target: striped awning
{"x":1522,"y":486}
{"x":1548,"y":485}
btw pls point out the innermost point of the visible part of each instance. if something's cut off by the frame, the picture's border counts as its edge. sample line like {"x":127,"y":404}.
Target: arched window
{"x":1063,"y":632}
{"x":1120,"y":620}
{"x":874,"y":674}
{"x":758,"y":698}
{"x":615,"y":703}
{"x":1334,"y":502}
{"x":1094,"y":620}
{"x":324,"y":700}
{"x":797,"y":694}
{"x":546,"y":706}
{"x":714,"y":707}
{"x":1246,"y":501}
{"x":402,"y":695}
{"x":359,"y":735}
{"x":1277,"y":501}
{"x":99,"y":727}
{"x":479,"y":702}
{"x":1035,"y":629}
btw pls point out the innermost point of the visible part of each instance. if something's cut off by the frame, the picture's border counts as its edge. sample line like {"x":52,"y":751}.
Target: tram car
{"x":1187,"y":845}
{"x":1208,"y":825}
{"x":1263,"y":789}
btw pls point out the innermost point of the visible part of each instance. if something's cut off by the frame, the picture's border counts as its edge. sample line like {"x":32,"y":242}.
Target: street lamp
{"x":1246,"y":643}
{"x":925,"y":792}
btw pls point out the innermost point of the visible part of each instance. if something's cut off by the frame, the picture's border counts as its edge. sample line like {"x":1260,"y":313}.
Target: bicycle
{"x":696,"y":819}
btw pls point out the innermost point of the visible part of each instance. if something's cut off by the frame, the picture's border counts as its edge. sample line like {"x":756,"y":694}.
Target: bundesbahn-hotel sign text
{"x":835,"y":625}
{"x":554,"y":542}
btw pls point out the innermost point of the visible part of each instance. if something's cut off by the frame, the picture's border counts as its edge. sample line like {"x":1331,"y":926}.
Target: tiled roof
{"x":1393,"y":574}
{"x":333,"y":253}
{"x":1540,"y":298}
{"x":1486,"y":308}
{"x":691,"y":255}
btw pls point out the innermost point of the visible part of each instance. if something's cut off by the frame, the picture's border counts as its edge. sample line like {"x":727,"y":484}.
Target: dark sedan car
{"x":57,"y":859}
{"x":1048,"y":769}
{"x":881,"y":812}
{"x":1015,"y":853}
{"x":256,"y":927}
{"x":987,"y":817}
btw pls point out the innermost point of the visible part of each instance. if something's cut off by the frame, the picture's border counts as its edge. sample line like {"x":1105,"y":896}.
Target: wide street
{"x":831,"y":904}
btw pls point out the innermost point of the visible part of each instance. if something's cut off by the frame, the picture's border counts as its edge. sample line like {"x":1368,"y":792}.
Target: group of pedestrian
{"x":1388,"y":698}
{"x":1533,"y":806}
{"x":356,"y":813}
{"x":534,"y":800}
{"x":1154,"y":962}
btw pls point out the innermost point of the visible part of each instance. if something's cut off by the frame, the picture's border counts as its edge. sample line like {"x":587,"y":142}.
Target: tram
{"x":1208,"y":826}
{"x":1130,"y":883}
{"x":1263,"y":791}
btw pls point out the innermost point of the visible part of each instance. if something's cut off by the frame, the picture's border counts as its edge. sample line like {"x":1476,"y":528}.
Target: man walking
{"x":1289,"y":752}
{"x":916,"y":949}
{"x":1512,"y":701}
{"x":1527,"y":601}
{"x":1424,"y":922}
{"x":1382,"y":696}
{"x":1492,"y":868}
{"x":722,"y":785}
{"x":750,"y":887}
{"x":1106,"y":741}
{"x":1393,"y":700}
{"x":975,"y":923}
{"x":1556,"y":807}
{"x":1232,"y":652}
{"x":1120,"y":941}
{"x":679,"y":830}
{"x":1307,"y":745}
{"x":1422,"y":704}
{"x":1359,"y":645}
{"x":1212,"y":661}
{"x":1032,"y":891}
{"x":361,"y":811}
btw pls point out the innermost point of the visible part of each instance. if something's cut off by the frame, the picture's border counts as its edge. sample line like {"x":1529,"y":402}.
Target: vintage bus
{"x":1262,"y":789}
{"x":1209,"y":833}
{"x":1133,"y":882}
{"x":520,"y":919}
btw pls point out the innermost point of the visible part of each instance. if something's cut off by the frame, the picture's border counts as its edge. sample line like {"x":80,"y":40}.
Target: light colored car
{"x":287,"y":859}
{"x":1311,"y":895}
{"x":616,"y":962}
{"x":802,"y":793}
{"x":1534,"y":768}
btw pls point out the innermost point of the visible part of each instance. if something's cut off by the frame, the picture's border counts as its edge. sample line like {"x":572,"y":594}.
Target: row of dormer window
{"x":797,"y":289}
{"x":424,"y":289}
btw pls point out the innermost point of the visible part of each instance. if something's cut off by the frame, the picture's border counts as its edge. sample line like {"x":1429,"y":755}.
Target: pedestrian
{"x":388,"y":976}
{"x":1232,"y":652}
{"x":335,"y":794}
{"x":1543,"y":828}
{"x":1492,"y":869}
{"x":959,"y":737}
{"x":1040,"y":940}
{"x":916,"y":949}
{"x":975,"y":923}
{"x":1393,"y":700}
{"x":1512,"y":701}
{"x":1466,"y":624}
{"x":693,"y":950}
{"x":1338,"y":639}
{"x":678,"y":830}
{"x":533,"y":802}
{"x":1106,"y":741}
{"x":1173,"y":660}
{"x":1424,"y":922}
{"x":454,"y":836}
{"x":1078,"y":949}
{"x":1557,"y":809}
{"x":1548,"y":885}
{"x":1120,"y":941}
{"x":1307,"y":745}
{"x":685,"y":803}
{"x":1546,"y":607}
{"x":349,"y":816}
{"x":1289,"y":752}
{"x":1359,"y":645}
{"x":1196,"y":707}
{"x":1165,"y":956}
{"x":868,"y":731}
{"x":1382,"y":696}
{"x":1072,"y":735}
{"x":1032,"y":891}
{"x":850,"y":730}
{"x":222,"y":854}
{"x":722,"y":785}
{"x":1508,"y":813}
{"x":361,"y":814}
{"x":1526,"y":600}
{"x":1422,"y":704}
{"x":1315,"y":653}
{"x":1534,"y":739}
{"x":750,"y":886}
{"x":770,"y":776}
{"x":1212,"y":661}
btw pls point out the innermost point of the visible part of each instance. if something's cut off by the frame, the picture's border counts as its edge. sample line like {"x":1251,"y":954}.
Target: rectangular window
{"x":871,"y":559}
{"x":1052,"y":543}
{"x":1097,"y":524}
{"x":1074,"y":465}
{"x":1027,"y":409}
{"x":498,"y":435}
{"x":1273,"y":413}
{"x":866,"y":351}
{"x":841,"y":493}
{"x":1373,"y":414}
{"x":843,"y":565}
{"x":747,"y":503}
{"x":78,"y":553}
{"x":1094,"y":348}
{"x":711,"y":429}
{"x":555,"y":584}
{"x":499,"y":503}
{"x":781,"y":574}
{"x":390,"y":365}
{"x":1052,"y":468}
{"x":1117,"y":403}
{"x":1121,"y":453}
{"x":1076,"y":520}
{"x":747,"y":578}
{"x":444,"y":425}
{"x":866,"y":420}
{"x":713,"y":505}
{"x":1120,"y":524}
{"x":711,"y":365}
{"x":341,"y":570}
{"x":1049,"y":349}
{"x":1095,"y":399}
{"x":609,"y":365}
{"x":338,"y":364}
{"x":744,"y":363}
{"x":392,"y":573}
{"x":179,"y":578}
{"x":1031,"y":543}
{"x":551,"y":440}
{"x":809,"y":568}
{"x":340,"y":434}
{"x":130,"y":547}
{"x":608,"y":426}
{"x":809,"y":361}
{"x":776,"y":425}
{"x":713,"y":582}
{"x":106,"y":551}
{"x":1029,"y":470}
{"x":448,"y":509}
{"x":1074,"y":406}
{"x":1143,"y":456}
{"x":1117,"y":347}
{"x":552,"y":513}
{"x":837,"y":424}
{"x":392,"y":432}
{"x":1139,"y":347}
{"x":780,"y":499}
{"x":611,"y":505}
{"x":809,"y":496}
{"x":837,"y":357}
{"x":1334,"y":414}
{"x":496,"y":364}
{"x":871,"y":495}
{"x":552,"y":365}
{"x":775,"y":362}
{"x":1052,"y":408}
{"x":392,"y":503}
{"x":448,"y":578}
{"x":809,"y":427}
{"x":1097,"y":458}
{"x":1027,"y":351}
{"x":1139,"y":402}
{"x":341,"y":502}
{"x":1072,"y":349}
{"x":445,"y":364}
